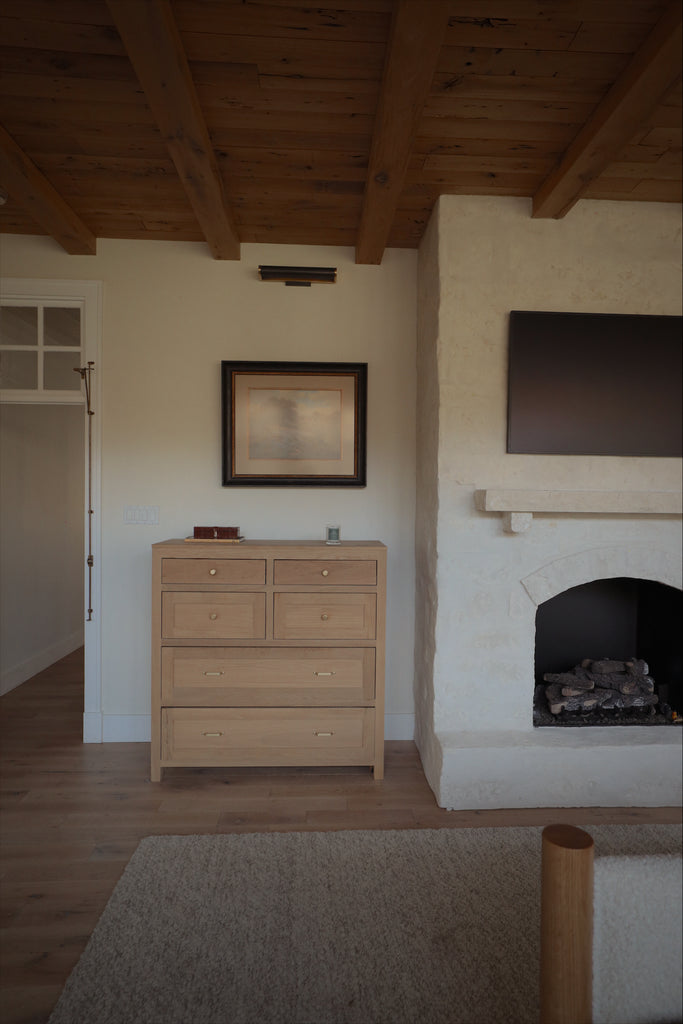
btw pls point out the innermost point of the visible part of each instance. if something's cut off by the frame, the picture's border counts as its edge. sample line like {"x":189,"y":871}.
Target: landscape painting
{"x":294,"y":423}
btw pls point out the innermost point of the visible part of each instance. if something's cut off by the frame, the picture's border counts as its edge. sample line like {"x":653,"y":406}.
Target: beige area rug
{"x":381,"y":927}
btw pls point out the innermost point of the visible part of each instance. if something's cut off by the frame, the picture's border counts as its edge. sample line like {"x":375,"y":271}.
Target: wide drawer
{"x":213,"y":570}
{"x":350,"y":572}
{"x":325,"y":616}
{"x":267,"y":736}
{"x":240,"y":616}
{"x":246,"y":676}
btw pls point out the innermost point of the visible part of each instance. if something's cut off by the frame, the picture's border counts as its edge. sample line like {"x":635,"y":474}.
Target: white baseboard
{"x":18,"y":674}
{"x":126,"y":728}
{"x":138,"y":728}
{"x":92,"y":727}
{"x":399,"y":727}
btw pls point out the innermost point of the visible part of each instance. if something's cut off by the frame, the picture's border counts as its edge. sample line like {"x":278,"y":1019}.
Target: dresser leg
{"x":378,"y":771}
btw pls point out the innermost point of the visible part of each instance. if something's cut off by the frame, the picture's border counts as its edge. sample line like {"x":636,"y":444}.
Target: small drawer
{"x":267,"y":736}
{"x":268,"y":676}
{"x":220,"y":616}
{"x":351,"y":572}
{"x":213,"y":570}
{"x":325,"y":616}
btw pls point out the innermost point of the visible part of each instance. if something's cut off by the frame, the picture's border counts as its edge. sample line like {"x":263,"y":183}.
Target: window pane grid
{"x":44,"y":328}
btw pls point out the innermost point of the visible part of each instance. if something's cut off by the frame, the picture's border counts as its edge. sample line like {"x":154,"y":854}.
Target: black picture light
{"x":302,"y":277}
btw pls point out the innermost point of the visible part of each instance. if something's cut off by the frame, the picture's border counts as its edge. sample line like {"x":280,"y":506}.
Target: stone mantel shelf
{"x":518,"y":507}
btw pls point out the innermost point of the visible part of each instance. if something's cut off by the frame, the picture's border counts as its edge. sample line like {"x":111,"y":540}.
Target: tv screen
{"x":594,"y":384}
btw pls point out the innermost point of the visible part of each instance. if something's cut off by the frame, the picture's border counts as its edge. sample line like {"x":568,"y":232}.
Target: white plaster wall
{"x":171,"y":314}
{"x":492,"y":258}
{"x":603,"y":257}
{"x":41,"y":538}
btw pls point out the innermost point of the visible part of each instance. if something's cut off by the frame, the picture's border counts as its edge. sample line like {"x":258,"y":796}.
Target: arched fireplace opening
{"x":609,"y":653}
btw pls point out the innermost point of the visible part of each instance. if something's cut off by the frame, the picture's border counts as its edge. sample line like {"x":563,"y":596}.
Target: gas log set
{"x":601,"y":685}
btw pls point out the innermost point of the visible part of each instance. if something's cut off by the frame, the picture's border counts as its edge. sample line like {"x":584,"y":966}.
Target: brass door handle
{"x":325,"y":572}
{"x":323,"y":673}
{"x":323,"y":734}
{"x":212,"y":734}
{"x":213,"y":615}
{"x":214,"y":673}
{"x":324,"y":617}
{"x":212,"y":572}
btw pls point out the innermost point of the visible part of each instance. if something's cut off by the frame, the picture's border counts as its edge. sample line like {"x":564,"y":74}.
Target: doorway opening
{"x":50,"y":448}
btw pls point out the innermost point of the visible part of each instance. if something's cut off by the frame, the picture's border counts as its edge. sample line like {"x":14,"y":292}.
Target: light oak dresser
{"x":268,"y":653}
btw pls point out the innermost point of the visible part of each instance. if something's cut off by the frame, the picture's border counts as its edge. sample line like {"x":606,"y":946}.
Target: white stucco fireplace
{"x":508,"y":762}
{"x":499,"y":534}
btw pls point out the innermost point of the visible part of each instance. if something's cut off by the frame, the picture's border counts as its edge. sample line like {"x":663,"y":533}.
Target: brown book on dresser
{"x":268,"y":653}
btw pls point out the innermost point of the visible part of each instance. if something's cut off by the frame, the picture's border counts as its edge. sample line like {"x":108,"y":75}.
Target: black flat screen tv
{"x":594,"y":384}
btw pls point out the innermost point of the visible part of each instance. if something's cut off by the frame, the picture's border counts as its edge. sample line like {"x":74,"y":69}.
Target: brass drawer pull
{"x":214,"y":673}
{"x":212,"y":572}
{"x":325,"y":572}
{"x":323,"y":734}
{"x":212,"y":734}
{"x":213,"y":615}
{"x":324,"y":617}
{"x":323,"y":673}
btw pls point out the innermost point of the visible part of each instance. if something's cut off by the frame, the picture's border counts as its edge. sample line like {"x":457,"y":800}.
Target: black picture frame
{"x":293,"y":424}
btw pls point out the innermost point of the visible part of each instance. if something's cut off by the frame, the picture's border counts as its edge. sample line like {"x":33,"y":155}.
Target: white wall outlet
{"x":141,"y":515}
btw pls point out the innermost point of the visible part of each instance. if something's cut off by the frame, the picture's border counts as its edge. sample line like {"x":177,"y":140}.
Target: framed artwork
{"x":294,"y":424}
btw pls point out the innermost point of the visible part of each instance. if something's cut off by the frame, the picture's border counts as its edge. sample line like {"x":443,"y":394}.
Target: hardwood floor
{"x":72,"y":815}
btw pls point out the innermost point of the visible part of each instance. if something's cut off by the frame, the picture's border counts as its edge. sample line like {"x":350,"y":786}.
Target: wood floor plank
{"x":65,"y":873}
{"x":29,"y":1003}
{"x":71,"y":816}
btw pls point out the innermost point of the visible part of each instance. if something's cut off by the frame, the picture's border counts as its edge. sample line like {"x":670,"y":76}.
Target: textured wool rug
{"x":382,"y":927}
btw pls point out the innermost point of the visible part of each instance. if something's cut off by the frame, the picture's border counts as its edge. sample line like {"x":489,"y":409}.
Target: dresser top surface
{"x":191,"y":547}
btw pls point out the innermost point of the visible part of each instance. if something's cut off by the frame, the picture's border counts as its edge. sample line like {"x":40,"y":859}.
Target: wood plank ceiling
{"x":341,"y":123}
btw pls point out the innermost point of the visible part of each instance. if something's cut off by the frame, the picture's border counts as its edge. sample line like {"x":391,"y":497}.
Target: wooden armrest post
{"x":566,"y":926}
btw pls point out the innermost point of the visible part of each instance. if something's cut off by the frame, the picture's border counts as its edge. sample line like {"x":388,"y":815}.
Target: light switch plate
{"x":141,"y":515}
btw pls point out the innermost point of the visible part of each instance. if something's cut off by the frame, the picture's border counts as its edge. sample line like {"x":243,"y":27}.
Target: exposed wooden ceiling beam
{"x":655,"y":67}
{"x":29,"y":187}
{"x":153,"y":44}
{"x":415,"y":41}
